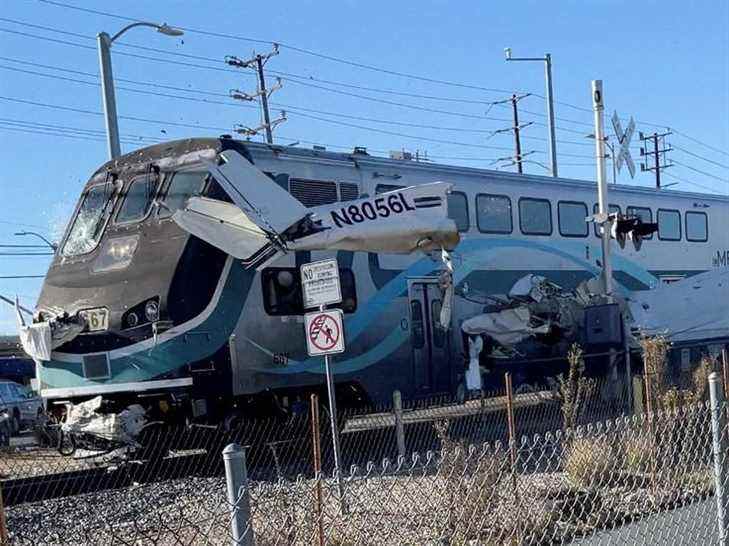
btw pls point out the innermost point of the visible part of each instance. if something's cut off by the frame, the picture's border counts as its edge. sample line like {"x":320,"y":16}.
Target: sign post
{"x":325,"y":336}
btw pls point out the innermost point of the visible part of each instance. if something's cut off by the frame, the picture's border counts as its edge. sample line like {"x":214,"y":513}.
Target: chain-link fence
{"x":495,"y":469}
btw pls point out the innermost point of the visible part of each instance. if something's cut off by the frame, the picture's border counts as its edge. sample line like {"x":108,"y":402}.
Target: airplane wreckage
{"x":190,"y":305}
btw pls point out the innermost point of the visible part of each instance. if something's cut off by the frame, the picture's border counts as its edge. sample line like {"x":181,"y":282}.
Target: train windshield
{"x":90,"y":220}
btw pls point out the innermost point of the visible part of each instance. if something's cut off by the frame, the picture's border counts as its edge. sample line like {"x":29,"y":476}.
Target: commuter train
{"x":170,"y":317}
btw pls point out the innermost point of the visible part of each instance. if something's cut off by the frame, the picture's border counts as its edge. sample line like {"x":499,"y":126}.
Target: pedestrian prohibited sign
{"x":324,"y":332}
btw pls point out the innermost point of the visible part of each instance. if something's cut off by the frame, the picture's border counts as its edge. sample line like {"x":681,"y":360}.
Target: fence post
{"x":399,"y":427}
{"x":725,"y":368}
{"x":3,"y":523}
{"x":316,"y":447}
{"x":511,"y":422}
{"x":719,"y":448}
{"x":236,"y":480}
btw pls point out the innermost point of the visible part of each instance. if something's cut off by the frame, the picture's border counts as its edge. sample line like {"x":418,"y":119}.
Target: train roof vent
{"x":313,"y":193}
{"x":348,"y":191}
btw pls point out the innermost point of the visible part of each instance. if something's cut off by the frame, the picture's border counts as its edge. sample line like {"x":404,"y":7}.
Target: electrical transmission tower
{"x":658,"y":151}
{"x":256,"y":63}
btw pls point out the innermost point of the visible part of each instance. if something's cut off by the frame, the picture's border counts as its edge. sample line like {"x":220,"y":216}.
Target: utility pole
{"x":602,"y":188}
{"x":658,"y":140}
{"x":264,"y":98}
{"x":517,"y":142}
{"x":257,"y":62}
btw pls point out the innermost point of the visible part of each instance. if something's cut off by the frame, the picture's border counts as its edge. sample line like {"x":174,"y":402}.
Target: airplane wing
{"x":265,"y":219}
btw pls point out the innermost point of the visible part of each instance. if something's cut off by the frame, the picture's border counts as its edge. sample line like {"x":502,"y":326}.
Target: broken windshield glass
{"x":90,"y":220}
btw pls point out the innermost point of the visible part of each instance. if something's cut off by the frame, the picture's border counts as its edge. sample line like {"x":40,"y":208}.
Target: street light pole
{"x":550,"y":113}
{"x":547,"y":60}
{"x":103,"y":42}
{"x":54,"y":247}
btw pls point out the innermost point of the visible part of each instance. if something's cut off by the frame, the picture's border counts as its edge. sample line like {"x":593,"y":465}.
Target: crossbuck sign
{"x":624,"y":140}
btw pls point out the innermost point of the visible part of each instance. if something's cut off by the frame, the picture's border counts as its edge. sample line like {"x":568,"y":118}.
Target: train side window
{"x":182,"y":186}
{"x":644,"y":213}
{"x":669,"y":225}
{"x":493,"y":213}
{"x":612,"y":209}
{"x":535,"y":216}
{"x":571,"y":216}
{"x":697,"y":227}
{"x":458,"y":210}
{"x":138,"y":199}
{"x":282,"y":291}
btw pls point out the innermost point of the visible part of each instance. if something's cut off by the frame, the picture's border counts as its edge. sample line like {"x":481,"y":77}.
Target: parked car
{"x":23,"y":406}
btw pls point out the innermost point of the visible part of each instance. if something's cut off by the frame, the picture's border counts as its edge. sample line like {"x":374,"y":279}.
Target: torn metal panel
{"x":507,"y":327}
{"x":691,"y":309}
{"x":122,"y":427}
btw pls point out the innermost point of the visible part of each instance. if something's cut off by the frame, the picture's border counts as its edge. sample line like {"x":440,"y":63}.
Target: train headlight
{"x":151,"y":311}
{"x":116,"y":254}
{"x":132,"y":319}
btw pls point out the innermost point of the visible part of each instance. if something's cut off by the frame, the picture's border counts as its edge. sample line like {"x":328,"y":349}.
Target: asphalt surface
{"x":691,"y":525}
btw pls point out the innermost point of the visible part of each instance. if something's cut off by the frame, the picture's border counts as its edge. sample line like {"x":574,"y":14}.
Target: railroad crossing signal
{"x":324,"y":332}
{"x":624,"y":140}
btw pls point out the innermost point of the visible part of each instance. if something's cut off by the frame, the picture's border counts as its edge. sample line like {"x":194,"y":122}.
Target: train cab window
{"x":571,"y":216}
{"x":535,"y":216}
{"x":138,"y":199}
{"x":669,"y":225}
{"x":458,"y":210}
{"x":182,"y":186}
{"x":612,"y":209}
{"x":282,"y":291}
{"x":644,"y":213}
{"x":697,"y":227}
{"x":493,"y":213}
{"x":90,"y":221}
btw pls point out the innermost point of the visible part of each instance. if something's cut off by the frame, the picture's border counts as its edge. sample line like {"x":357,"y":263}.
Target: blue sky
{"x":665,"y":63}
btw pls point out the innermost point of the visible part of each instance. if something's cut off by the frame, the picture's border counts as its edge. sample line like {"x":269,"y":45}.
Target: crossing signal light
{"x":632,"y":228}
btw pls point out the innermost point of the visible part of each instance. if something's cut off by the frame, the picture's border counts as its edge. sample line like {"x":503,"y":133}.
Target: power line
{"x":23,"y":277}
{"x":300,"y":81}
{"x":21,"y":224}
{"x":701,"y":157}
{"x":707,"y":188}
{"x":726,"y":181}
{"x":697,"y":141}
{"x":292,"y":108}
{"x":28,"y":130}
{"x":88,"y":132}
{"x":349,"y":62}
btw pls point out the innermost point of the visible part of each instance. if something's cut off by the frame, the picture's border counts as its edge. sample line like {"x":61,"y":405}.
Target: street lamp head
{"x":169,"y":31}
{"x":507,"y":53}
{"x":21,"y":233}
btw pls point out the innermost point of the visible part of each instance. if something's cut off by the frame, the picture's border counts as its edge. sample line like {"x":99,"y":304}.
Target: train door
{"x":430,"y":342}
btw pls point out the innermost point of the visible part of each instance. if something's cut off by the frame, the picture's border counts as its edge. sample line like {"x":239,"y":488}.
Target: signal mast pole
{"x":602,"y":189}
